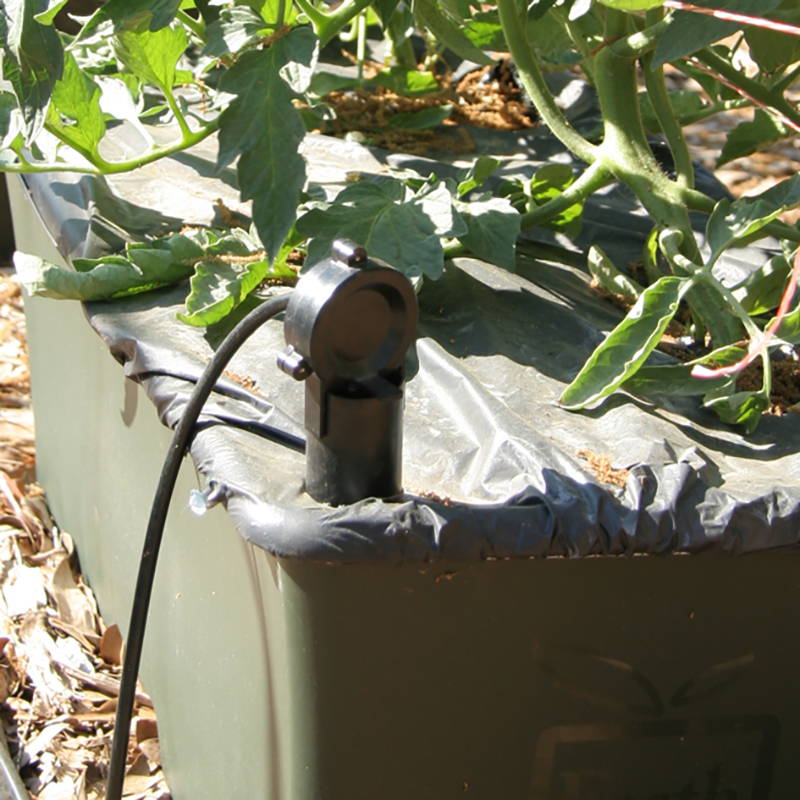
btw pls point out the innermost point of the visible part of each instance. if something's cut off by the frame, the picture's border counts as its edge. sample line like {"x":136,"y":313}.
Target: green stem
{"x":786,"y":81}
{"x":195,"y":26}
{"x":173,"y":104}
{"x":697,"y":201}
{"x":361,"y":43}
{"x":32,"y":167}
{"x":280,"y":16}
{"x":754,"y":89}
{"x":535,"y":86}
{"x":659,"y":99}
{"x":593,"y":178}
{"x":317,"y":17}
{"x":193,"y":138}
{"x":637,"y":44}
{"x":328,"y":25}
{"x":713,"y":108}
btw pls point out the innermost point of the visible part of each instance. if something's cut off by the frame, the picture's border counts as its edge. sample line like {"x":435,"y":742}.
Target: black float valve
{"x":348,"y":325}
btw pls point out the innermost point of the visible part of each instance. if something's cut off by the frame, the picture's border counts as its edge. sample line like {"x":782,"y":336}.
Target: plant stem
{"x":535,"y":86}
{"x":195,"y":26}
{"x":659,"y":99}
{"x":641,"y":42}
{"x":759,"y":92}
{"x":697,"y":201}
{"x":175,"y":108}
{"x":193,"y":138}
{"x":328,"y":25}
{"x":591,"y":179}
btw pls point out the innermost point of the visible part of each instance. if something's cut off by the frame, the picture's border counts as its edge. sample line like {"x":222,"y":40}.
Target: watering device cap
{"x":348,"y":325}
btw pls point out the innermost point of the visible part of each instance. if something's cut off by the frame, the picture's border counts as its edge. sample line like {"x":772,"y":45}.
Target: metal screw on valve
{"x":293,"y":364}
{"x":348,"y":252}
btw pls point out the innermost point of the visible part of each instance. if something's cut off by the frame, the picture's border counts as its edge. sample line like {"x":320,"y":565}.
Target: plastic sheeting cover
{"x":491,"y":465}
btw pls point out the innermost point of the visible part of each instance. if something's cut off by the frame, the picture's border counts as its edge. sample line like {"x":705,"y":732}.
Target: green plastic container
{"x":608,"y":678}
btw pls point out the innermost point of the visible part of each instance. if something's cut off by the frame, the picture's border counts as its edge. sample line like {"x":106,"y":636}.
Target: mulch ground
{"x":59,"y":661}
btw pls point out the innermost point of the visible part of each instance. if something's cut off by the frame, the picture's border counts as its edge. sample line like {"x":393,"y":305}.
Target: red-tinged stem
{"x":744,"y":93}
{"x":758,"y":346}
{"x":735,"y":16}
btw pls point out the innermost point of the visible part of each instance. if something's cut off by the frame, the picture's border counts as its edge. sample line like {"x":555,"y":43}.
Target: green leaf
{"x":493,"y":226}
{"x":264,"y":129}
{"x":32,"y":59}
{"x":234,"y":29}
{"x":298,"y":69}
{"x":47,"y":16}
{"x":550,"y":39}
{"x":420,"y":120}
{"x":408,"y":82}
{"x":143,"y":267}
{"x":447,"y":31}
{"x":749,"y":136}
{"x":549,"y":182}
{"x":690,"y":32}
{"x":632,"y":5}
{"x":386,"y":219}
{"x":10,"y":120}
{"x":218,"y":286}
{"x":74,"y":112}
{"x":737,"y":408}
{"x":133,"y":15}
{"x":684,"y":102}
{"x":478,"y":174}
{"x":789,"y":329}
{"x":152,"y":56}
{"x":677,"y":380}
{"x":603,"y":270}
{"x":761,"y":291}
{"x":771,"y":50}
{"x":730,"y":221}
{"x":625,"y":349}
{"x":485,"y":32}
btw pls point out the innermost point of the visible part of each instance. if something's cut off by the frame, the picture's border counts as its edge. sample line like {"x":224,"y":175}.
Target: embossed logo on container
{"x":667,"y":751}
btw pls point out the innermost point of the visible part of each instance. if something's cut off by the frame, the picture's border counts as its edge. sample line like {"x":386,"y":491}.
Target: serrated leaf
{"x":435,"y":197}
{"x":383,"y":218}
{"x":33,"y":60}
{"x":605,"y":272}
{"x":74,"y":112}
{"x":234,"y":29}
{"x":133,"y":15}
{"x":761,"y":291}
{"x":789,"y":329}
{"x":549,"y":182}
{"x":447,"y":31}
{"x":47,"y":16}
{"x":107,"y":278}
{"x":152,"y":56}
{"x":493,"y":226}
{"x":10,"y":120}
{"x":299,"y":68}
{"x":683,"y":103}
{"x":677,"y":380}
{"x":218,"y":286}
{"x":408,"y":82}
{"x":420,"y":120}
{"x":625,"y":349}
{"x":771,"y":50}
{"x":737,"y":408}
{"x":478,"y":174}
{"x":689,"y":32}
{"x":264,"y":129}
{"x":485,"y":32}
{"x":749,"y":136}
{"x":730,"y":221}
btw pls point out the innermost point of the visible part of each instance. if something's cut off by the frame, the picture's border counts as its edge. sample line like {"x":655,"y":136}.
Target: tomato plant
{"x":246,"y":72}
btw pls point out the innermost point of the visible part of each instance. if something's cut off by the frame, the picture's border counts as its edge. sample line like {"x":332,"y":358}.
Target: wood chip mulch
{"x":59,"y":661}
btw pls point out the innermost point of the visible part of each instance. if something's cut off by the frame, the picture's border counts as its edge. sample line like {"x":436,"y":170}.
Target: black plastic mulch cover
{"x":491,"y":464}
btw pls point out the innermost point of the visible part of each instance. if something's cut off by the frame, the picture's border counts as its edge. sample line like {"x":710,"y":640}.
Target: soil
{"x":485,"y":98}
